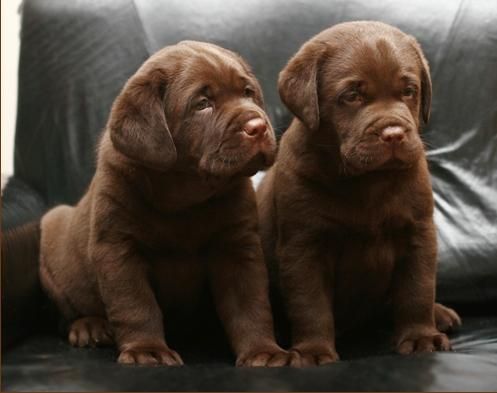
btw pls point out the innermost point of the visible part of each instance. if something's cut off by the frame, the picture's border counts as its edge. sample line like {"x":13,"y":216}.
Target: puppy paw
{"x":274,"y":357}
{"x":90,"y":332}
{"x":423,"y":340}
{"x":150,"y":355}
{"x":446,"y":318}
{"x":308,"y":356}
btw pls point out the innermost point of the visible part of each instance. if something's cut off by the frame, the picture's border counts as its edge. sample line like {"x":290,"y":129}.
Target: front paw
{"x":421,"y":340}
{"x":314,"y":355}
{"x":90,"y":332}
{"x":149,"y":355}
{"x":446,"y":319}
{"x":265,"y":357}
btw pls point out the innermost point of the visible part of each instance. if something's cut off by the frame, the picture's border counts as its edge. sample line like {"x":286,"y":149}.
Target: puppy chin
{"x":225,"y":167}
{"x":394,"y":164}
{"x":401,"y":160}
{"x":258,"y":162}
{"x":384,"y":164}
{"x":380,"y":158}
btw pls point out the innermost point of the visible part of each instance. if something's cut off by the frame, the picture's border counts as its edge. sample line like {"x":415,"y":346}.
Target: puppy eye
{"x":351,"y":97}
{"x":249,"y":92}
{"x":409,"y":92}
{"x":204,"y":103}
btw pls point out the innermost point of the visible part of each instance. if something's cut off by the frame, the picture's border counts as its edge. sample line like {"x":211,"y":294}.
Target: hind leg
{"x":446,"y":318}
{"x":90,"y":332}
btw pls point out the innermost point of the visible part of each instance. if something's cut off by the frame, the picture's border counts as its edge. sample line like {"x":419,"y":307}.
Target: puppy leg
{"x":90,"y":332}
{"x":446,"y":318}
{"x":306,"y":288}
{"x":414,"y":296}
{"x":239,"y":283}
{"x":131,"y":307}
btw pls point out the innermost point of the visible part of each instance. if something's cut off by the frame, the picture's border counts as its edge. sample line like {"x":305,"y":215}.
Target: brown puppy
{"x":170,"y":207}
{"x":347,"y":210}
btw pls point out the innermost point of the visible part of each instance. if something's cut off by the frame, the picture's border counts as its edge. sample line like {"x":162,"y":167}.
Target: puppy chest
{"x":186,"y":233}
{"x":178,"y":279}
{"x":364,"y":259}
{"x":364,"y":272}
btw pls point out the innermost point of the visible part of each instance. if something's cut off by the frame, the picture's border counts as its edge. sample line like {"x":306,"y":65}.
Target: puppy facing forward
{"x":170,"y":210}
{"x":347,"y":210}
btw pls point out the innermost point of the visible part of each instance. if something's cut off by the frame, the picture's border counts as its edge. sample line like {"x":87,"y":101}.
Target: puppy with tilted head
{"x":347,"y":210}
{"x":170,"y":211}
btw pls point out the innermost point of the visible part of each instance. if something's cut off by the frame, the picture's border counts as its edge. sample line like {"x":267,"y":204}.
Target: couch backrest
{"x":76,"y":56}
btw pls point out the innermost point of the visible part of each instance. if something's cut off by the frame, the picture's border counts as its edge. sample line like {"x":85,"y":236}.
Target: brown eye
{"x":351,"y":97}
{"x":409,"y":92}
{"x":249,"y":92}
{"x":203,"y":104}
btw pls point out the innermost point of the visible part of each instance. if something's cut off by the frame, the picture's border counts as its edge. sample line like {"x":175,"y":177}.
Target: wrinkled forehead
{"x":208,"y":66}
{"x":377,"y":59}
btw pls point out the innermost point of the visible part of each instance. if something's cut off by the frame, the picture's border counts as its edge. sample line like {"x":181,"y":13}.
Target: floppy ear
{"x":137,"y":124}
{"x":297,"y":83}
{"x":426,"y":88}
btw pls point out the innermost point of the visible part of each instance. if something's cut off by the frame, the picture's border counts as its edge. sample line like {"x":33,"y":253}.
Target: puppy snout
{"x":255,"y":127}
{"x":393,"y":134}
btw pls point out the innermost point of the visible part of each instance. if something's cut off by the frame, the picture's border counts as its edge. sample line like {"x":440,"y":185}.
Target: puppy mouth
{"x":378,"y":159}
{"x":248,"y":164}
{"x":255,"y":164}
{"x":400,"y":156}
{"x":244,"y":156}
{"x":394,"y":163}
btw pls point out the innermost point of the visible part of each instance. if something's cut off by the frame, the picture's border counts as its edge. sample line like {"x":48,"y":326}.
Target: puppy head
{"x":369,"y":85}
{"x":197,"y":106}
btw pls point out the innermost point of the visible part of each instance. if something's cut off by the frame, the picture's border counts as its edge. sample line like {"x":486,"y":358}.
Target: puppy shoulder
{"x":420,"y":192}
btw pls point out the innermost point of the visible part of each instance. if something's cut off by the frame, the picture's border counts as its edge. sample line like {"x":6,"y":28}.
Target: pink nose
{"x":255,"y":127}
{"x":393,"y":134}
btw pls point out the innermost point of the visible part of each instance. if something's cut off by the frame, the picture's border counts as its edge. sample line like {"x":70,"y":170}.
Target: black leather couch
{"x":76,"y":56}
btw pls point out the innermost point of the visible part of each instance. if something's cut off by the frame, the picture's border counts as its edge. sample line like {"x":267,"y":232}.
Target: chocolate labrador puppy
{"x":347,"y":210}
{"x":170,"y":210}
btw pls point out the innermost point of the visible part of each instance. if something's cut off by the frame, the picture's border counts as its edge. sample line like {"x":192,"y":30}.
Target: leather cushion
{"x":47,"y":363}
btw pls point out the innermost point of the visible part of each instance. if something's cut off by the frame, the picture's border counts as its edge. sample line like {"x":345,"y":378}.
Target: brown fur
{"x":170,"y":207}
{"x":347,"y":219}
